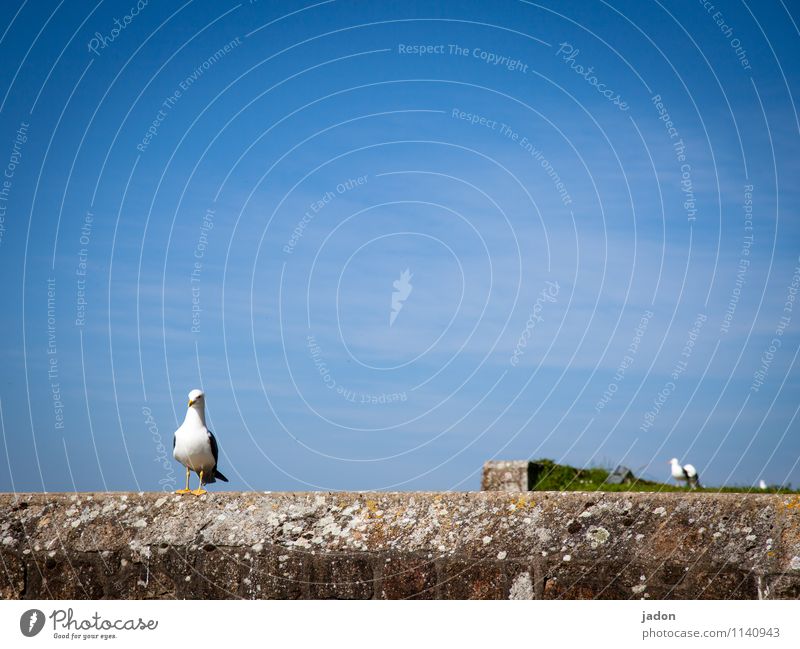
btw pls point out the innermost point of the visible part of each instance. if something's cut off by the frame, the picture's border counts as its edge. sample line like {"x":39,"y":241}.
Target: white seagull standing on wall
{"x":195,"y":446}
{"x":686,"y":473}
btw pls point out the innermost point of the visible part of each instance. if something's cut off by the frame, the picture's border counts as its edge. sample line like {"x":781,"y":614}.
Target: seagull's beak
{"x":191,"y":401}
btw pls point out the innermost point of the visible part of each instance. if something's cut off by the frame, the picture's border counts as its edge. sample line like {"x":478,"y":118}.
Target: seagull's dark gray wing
{"x":214,"y":448}
{"x":215,"y":452}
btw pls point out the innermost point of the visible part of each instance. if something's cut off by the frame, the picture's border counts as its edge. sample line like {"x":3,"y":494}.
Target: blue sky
{"x":590,"y":198}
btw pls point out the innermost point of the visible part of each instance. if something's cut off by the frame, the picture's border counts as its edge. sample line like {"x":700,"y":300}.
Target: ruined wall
{"x":397,"y":545}
{"x":506,"y":475}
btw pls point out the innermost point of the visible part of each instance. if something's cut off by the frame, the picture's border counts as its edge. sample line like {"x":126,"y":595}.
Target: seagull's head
{"x":196,"y":399}
{"x":672,"y":461}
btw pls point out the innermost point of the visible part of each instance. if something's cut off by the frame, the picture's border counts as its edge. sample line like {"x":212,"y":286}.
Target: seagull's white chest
{"x":677,"y":472}
{"x":193,"y":447}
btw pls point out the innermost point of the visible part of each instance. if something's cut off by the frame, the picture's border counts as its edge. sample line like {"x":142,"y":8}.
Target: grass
{"x":549,"y":476}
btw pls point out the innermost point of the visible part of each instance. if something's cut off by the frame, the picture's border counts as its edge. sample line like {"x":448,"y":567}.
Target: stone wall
{"x":506,"y":475}
{"x":398,"y":545}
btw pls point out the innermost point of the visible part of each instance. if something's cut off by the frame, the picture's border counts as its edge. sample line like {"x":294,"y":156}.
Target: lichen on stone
{"x":522,"y":587}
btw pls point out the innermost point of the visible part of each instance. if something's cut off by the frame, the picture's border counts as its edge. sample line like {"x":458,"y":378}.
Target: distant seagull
{"x":195,"y":446}
{"x":686,"y":473}
{"x":762,"y":485}
{"x":402,"y":289}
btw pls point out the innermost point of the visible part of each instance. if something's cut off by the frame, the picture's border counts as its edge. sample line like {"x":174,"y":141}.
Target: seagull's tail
{"x":217,"y":474}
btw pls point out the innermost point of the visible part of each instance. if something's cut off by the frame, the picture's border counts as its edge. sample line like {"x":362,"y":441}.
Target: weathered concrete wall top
{"x":397,"y":545}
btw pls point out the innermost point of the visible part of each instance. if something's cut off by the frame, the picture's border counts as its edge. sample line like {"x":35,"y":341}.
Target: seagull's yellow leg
{"x":187,"y":490}
{"x":200,"y":491}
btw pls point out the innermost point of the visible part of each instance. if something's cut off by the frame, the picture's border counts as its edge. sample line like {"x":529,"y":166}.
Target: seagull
{"x":195,"y":446}
{"x":686,"y":473}
{"x":762,"y":485}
